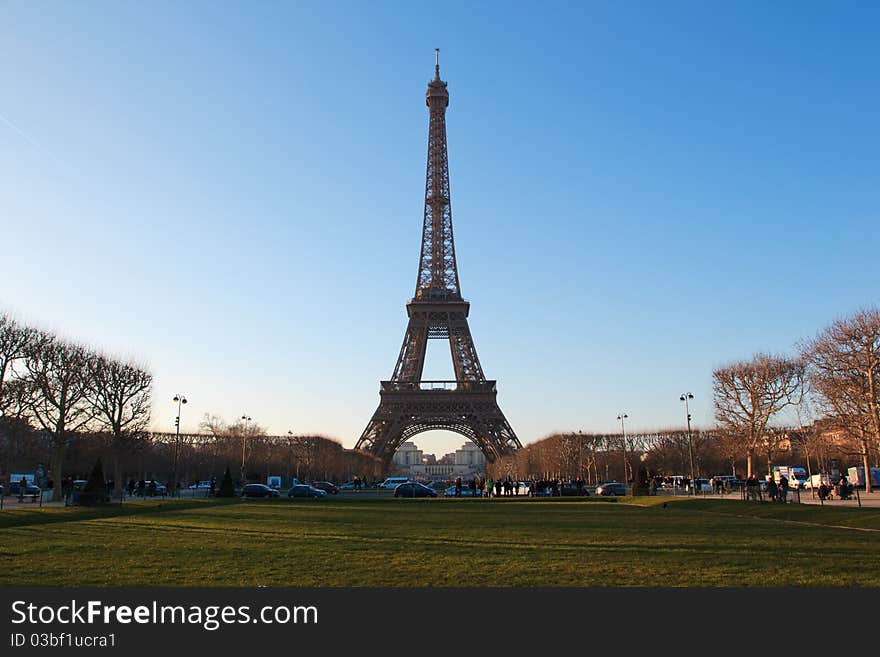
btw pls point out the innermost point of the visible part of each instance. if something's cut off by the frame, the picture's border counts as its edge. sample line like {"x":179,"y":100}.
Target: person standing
{"x":783,"y":489}
{"x":772,"y":489}
{"x":22,"y":487}
{"x":751,"y":487}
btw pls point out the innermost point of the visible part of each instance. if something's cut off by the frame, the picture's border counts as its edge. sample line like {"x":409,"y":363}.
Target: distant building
{"x":466,"y":462}
{"x":407,"y":455}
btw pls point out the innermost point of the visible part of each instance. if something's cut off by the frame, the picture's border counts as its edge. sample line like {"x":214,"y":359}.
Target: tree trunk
{"x":117,"y":475}
{"x":57,"y":463}
{"x":867,"y":469}
{"x":809,"y":472}
{"x":749,"y":464}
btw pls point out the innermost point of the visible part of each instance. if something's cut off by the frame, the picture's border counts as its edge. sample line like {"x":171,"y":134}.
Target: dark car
{"x":149,"y":490}
{"x":571,"y":489}
{"x":30,"y":489}
{"x":304,"y":490}
{"x":326,"y":486}
{"x":258,"y":490}
{"x":611,"y":488}
{"x":414,"y":489}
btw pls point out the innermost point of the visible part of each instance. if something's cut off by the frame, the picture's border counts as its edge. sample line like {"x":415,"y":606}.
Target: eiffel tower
{"x":407,"y":404}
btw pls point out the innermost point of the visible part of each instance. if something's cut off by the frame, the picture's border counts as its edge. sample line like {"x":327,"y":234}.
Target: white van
{"x":393,"y":482}
{"x":817,"y":480}
{"x":797,"y":476}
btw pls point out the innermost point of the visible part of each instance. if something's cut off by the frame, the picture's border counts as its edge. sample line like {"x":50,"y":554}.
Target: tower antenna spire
{"x":436,"y":63}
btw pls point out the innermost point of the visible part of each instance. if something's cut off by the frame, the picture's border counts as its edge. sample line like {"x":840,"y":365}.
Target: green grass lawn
{"x":387,"y":542}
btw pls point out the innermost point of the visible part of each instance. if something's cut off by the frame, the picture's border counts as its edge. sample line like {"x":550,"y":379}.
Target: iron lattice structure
{"x":407,"y":404}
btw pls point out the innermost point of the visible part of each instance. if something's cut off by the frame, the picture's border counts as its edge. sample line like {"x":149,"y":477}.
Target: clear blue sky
{"x":232,"y":194}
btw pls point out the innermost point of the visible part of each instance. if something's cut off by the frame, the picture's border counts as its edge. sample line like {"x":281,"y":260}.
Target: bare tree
{"x":749,"y":394}
{"x":773,"y":441}
{"x":14,"y":341}
{"x":59,"y":384}
{"x":845,"y":372}
{"x":121,"y":397}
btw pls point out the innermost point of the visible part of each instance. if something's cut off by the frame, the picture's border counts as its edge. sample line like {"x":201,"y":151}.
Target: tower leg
{"x":411,"y":361}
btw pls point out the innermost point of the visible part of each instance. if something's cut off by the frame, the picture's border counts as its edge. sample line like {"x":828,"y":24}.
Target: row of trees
{"x":62,"y":388}
{"x":55,"y":395}
{"x":820,"y":405}
{"x":73,"y":404}
{"x":306,"y":457}
{"x":192,"y":456}
{"x":597,"y":457}
{"x":836,"y":375}
{"x":602,"y":457}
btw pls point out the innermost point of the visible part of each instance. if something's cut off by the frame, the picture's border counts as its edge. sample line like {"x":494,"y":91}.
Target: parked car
{"x":570,"y":489}
{"x":393,"y":482}
{"x":304,"y":490}
{"x":703,"y":485}
{"x":730,"y":482}
{"x":202,"y":485}
{"x":348,"y":485}
{"x":611,"y":488}
{"x":258,"y":490}
{"x":326,"y":486}
{"x":30,"y":489}
{"x":675,"y":482}
{"x":148,"y":491}
{"x":414,"y":489}
{"x":465,"y":491}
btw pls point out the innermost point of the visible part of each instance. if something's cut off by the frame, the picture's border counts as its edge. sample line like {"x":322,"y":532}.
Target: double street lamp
{"x":290,"y":437}
{"x":580,"y":474}
{"x":180,"y":400}
{"x":622,"y":417}
{"x":246,"y":419}
{"x":686,"y":397}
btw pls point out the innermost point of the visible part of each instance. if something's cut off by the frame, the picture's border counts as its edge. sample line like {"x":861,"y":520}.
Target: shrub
{"x":95,"y":490}
{"x":227,"y":488}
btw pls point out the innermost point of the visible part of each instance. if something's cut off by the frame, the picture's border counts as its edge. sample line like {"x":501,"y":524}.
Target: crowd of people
{"x":842,"y":490}
{"x":509,"y":487}
{"x":480,"y":487}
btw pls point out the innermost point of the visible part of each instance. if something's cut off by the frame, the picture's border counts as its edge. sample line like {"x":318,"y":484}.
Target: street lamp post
{"x":622,"y":417}
{"x":686,"y":397}
{"x":580,"y":474}
{"x":289,"y":450}
{"x":180,"y":400}
{"x":246,"y":419}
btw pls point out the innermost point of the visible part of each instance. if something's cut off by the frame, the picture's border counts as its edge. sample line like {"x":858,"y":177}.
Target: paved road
{"x":868,"y":500}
